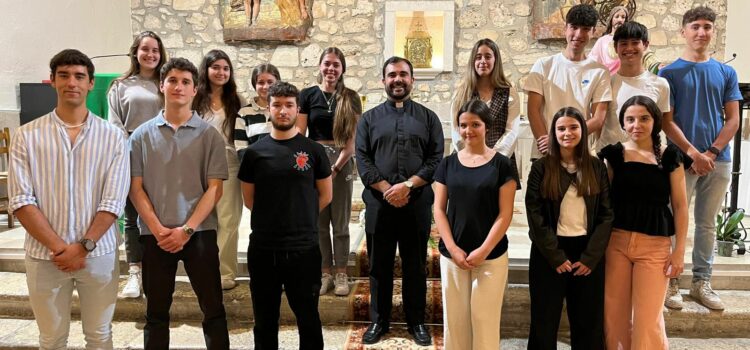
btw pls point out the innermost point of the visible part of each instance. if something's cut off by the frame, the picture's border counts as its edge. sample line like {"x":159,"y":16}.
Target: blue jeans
{"x":709,"y":193}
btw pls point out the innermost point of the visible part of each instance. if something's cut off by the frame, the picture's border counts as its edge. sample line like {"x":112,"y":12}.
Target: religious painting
{"x":548,"y":16}
{"x":266,"y":20}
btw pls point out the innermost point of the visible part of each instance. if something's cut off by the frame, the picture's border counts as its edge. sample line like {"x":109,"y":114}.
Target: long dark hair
{"x":586,"y":180}
{"x":347,"y":112}
{"x":264,"y":68}
{"x":229,"y":97}
{"x":656,"y":115}
{"x":135,"y":67}
{"x":475,"y":106}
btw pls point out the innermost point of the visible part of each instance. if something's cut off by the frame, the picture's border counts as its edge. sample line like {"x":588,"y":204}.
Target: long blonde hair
{"x":348,"y":109}
{"x":468,"y":85}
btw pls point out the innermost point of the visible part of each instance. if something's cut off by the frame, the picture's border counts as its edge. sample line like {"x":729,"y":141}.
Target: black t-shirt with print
{"x":285,"y":203}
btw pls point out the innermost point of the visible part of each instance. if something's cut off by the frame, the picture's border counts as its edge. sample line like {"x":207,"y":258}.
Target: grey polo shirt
{"x":175,"y":166}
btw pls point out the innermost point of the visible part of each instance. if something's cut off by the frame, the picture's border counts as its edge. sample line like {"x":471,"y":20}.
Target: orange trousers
{"x":634,"y":290}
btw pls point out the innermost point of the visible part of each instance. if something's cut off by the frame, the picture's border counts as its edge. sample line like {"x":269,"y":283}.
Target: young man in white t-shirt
{"x":568,"y":79}
{"x":632,"y":79}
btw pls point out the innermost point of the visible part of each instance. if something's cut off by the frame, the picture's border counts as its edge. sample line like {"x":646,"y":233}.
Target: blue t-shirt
{"x":698,"y":92}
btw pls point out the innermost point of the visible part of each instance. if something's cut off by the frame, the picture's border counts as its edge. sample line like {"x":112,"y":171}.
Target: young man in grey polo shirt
{"x":177,"y":167}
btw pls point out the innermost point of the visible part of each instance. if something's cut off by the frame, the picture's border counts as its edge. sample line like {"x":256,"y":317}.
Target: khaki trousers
{"x":229,"y":212}
{"x":472,"y":303}
{"x":635,"y":286}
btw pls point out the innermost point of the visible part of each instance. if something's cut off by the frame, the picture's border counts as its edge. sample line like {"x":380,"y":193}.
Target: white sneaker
{"x":342,"y":285}
{"x":673,"y":299}
{"x":133,"y":286}
{"x":228,"y":283}
{"x":326,"y":283}
{"x":702,"y":292}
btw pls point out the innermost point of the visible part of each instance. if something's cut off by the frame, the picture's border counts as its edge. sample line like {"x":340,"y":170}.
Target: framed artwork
{"x":548,"y":16}
{"x":266,"y":20}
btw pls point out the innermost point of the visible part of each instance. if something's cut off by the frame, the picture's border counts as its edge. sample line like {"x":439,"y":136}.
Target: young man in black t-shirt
{"x":289,"y":176}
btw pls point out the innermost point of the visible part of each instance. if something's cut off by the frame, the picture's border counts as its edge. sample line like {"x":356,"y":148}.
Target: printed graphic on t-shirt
{"x":301,"y":161}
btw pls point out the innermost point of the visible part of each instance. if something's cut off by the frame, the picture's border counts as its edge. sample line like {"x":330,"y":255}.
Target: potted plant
{"x":727,"y":231}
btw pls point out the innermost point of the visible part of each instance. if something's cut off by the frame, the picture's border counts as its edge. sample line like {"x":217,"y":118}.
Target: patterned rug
{"x":361,"y":266}
{"x":360,"y":301}
{"x":398,"y":338}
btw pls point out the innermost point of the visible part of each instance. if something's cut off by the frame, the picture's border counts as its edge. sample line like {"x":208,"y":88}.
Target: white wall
{"x":737,"y":30}
{"x":33,"y":31}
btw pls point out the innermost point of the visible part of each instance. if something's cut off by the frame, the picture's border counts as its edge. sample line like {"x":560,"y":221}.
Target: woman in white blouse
{"x":217,"y":102}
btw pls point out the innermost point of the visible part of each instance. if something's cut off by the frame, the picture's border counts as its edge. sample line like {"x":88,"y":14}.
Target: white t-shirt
{"x":647,"y":84}
{"x":572,"y":221}
{"x":216,"y":119}
{"x":565,"y":83}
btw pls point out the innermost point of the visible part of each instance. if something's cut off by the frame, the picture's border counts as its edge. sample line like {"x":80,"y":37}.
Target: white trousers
{"x":51,"y":292}
{"x":472,"y":303}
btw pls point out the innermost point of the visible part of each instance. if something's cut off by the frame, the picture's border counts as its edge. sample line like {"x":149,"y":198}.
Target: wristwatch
{"x":88,"y":244}
{"x":188,"y":230}
{"x":409,"y":184}
{"x":714,"y":150}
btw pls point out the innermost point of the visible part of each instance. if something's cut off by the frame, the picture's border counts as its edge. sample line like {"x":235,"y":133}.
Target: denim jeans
{"x":51,"y":294}
{"x":709,"y":193}
{"x":229,"y":212}
{"x":132,"y":234}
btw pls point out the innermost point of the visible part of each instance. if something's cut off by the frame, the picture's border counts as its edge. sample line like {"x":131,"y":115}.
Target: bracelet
{"x":335,"y":168}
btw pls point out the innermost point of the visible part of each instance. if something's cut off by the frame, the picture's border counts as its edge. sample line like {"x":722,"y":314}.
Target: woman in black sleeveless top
{"x":647,"y":178}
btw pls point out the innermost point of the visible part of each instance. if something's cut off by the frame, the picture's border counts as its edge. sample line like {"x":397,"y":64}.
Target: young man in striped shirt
{"x":68,"y":179}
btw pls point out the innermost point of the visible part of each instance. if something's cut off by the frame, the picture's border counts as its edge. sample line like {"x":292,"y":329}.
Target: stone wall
{"x":190,"y":28}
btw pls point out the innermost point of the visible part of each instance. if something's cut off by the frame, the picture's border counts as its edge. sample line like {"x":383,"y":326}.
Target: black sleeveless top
{"x":640,"y":192}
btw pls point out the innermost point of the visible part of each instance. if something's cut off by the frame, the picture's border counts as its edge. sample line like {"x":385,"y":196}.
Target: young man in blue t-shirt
{"x":705,"y":99}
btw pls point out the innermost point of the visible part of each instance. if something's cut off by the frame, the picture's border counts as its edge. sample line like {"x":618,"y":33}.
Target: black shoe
{"x":421,"y":335}
{"x":374,"y":332}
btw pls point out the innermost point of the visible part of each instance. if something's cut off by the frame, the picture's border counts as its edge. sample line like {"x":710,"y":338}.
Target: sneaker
{"x":702,"y":292}
{"x":133,"y":286}
{"x":326,"y":283}
{"x":228,"y":283}
{"x":673,"y":299}
{"x":342,"y":285}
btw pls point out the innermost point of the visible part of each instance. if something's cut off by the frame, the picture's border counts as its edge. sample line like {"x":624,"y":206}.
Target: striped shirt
{"x":69,"y":183}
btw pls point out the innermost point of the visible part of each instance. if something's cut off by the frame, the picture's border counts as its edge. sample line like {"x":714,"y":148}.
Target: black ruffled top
{"x":640,"y":192}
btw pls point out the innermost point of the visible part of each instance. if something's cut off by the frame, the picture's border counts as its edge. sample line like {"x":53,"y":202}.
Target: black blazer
{"x":543,"y":215}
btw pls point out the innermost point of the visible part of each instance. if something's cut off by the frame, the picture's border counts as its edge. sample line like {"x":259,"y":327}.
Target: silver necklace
{"x":329,"y":101}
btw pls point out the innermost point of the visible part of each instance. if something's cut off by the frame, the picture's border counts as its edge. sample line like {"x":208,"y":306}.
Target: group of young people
{"x":183,"y":152}
{"x":606,"y":198}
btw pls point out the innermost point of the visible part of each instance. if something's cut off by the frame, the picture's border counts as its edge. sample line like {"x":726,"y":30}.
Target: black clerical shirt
{"x":393,"y":144}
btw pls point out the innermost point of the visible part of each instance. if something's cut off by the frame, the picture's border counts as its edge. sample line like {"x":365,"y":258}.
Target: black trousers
{"x":200,"y":256}
{"x":298,"y":272}
{"x":409,"y":228}
{"x":583,"y":295}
